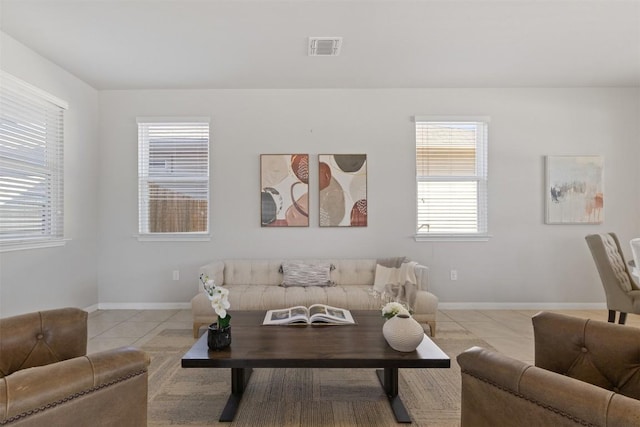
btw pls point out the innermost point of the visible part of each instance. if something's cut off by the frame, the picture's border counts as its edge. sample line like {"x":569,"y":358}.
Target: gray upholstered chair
{"x":635,"y":250}
{"x":622,"y":292}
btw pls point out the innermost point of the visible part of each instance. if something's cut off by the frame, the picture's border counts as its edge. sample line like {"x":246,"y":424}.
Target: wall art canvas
{"x":343,"y":190}
{"x":284,"y":184}
{"x":574,"y":190}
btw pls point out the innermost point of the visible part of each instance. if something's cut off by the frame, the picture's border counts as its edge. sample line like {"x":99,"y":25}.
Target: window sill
{"x":452,"y":237}
{"x":173,"y":237}
{"x":21,"y":246}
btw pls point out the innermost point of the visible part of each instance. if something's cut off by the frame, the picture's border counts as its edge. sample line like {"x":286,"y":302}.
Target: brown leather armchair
{"x":46,"y":378}
{"x":586,"y":373}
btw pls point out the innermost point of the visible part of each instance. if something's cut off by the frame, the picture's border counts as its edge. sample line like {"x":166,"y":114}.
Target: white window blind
{"x":451,"y":175}
{"x":31,"y":165}
{"x":173,"y":176}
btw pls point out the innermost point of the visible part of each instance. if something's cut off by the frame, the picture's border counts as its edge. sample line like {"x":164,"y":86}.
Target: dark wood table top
{"x":362,"y":345}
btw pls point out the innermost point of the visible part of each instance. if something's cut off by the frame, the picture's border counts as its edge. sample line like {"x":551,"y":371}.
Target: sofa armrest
{"x":45,"y":388}
{"x":40,"y":338}
{"x":499,"y":390}
{"x":422,"y":277}
{"x":215,"y":271}
{"x":582,"y":349}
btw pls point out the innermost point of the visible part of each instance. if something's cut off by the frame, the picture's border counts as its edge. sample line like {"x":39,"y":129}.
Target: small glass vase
{"x":403,"y":333}
{"x":218,"y":339}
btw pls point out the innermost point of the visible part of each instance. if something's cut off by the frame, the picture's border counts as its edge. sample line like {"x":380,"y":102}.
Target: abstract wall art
{"x":574,"y":190}
{"x":284,"y":190}
{"x":343,"y":190}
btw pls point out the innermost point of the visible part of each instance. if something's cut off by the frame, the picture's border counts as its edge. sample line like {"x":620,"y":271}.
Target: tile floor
{"x":508,"y":331}
{"x":115,"y":328}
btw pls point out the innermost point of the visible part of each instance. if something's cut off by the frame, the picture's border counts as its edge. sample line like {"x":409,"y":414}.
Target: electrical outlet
{"x":176,"y":274}
{"x":454,"y":274}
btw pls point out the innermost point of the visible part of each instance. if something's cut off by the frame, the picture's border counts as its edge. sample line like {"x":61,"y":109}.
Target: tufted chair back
{"x":574,"y":347}
{"x":635,"y":250}
{"x":31,"y":340}
{"x":614,"y":273}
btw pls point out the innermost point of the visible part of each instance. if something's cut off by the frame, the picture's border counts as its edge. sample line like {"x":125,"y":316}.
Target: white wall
{"x":62,"y":276}
{"x":525,"y":262}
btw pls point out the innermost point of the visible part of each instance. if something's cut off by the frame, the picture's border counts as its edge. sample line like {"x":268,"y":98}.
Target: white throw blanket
{"x":396,"y":279}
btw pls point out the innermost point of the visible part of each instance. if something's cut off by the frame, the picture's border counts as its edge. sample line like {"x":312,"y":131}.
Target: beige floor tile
{"x":466,"y":315}
{"x":492,"y":328}
{"x":171,"y":325}
{"x":508,"y":316}
{"x":101,"y":344}
{"x":442,"y":316}
{"x":129,"y":330}
{"x":181,"y":315}
{"x":115,"y":315}
{"x":161,"y":327}
{"x":153,"y":316}
{"x":451,"y":330}
{"x":97,"y":327}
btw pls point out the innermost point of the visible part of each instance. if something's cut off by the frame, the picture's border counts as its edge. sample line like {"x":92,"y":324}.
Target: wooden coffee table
{"x":345,"y":346}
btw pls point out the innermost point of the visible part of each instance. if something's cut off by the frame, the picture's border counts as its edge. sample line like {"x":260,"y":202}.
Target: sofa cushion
{"x":252,"y":272}
{"x":306,"y":274}
{"x":354,"y":271}
{"x":267,"y":297}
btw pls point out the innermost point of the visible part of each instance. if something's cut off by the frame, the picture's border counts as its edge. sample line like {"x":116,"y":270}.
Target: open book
{"x":314,"y":314}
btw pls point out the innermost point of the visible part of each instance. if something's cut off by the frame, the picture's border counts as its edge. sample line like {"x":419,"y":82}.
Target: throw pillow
{"x":386,"y":270}
{"x":382,"y":277}
{"x":306,"y":274}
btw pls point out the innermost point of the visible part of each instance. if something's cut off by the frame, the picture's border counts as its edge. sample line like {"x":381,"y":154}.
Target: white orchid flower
{"x":393,"y":309}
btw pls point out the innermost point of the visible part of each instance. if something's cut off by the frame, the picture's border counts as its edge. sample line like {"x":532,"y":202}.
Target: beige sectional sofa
{"x":255,"y":285}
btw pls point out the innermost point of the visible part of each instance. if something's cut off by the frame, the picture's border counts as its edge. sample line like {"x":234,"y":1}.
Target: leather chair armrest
{"x":493,"y":367}
{"x":499,"y":390}
{"x":32,"y":390}
{"x":40,"y":338}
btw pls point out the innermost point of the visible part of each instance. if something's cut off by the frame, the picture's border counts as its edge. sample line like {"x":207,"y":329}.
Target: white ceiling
{"x":121,"y":44}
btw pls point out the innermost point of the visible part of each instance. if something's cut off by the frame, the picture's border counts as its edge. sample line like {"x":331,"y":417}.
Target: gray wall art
{"x":574,"y":190}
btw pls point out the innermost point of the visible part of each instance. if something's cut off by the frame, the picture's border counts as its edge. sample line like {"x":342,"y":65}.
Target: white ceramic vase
{"x":403,"y":333}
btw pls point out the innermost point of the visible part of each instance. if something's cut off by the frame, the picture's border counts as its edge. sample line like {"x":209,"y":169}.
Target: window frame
{"x":172,"y":236}
{"x":29,"y":102}
{"x":481,"y":177}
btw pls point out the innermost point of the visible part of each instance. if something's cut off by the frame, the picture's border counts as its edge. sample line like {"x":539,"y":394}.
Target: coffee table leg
{"x":239,"y":379}
{"x":389,"y":380}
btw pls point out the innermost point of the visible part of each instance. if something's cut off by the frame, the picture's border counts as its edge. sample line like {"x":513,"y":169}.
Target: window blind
{"x":173,"y":176}
{"x":31,"y":164}
{"x":451,"y":174}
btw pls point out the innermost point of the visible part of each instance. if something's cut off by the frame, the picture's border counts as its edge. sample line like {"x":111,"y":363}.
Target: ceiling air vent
{"x":324,"y":46}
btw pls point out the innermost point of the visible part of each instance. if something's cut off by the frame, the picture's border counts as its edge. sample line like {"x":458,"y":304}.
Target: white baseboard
{"x":144,"y":305}
{"x":522,"y":306}
{"x":91,"y":308}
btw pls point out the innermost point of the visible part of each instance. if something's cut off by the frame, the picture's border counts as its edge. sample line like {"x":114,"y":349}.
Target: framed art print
{"x":574,"y":190}
{"x":284,"y":190}
{"x":343,"y":190}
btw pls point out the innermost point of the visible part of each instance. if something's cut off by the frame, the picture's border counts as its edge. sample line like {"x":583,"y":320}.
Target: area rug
{"x":298,"y":397}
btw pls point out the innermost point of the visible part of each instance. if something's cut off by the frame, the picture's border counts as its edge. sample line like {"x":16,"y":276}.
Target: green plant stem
{"x":223,"y":322}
